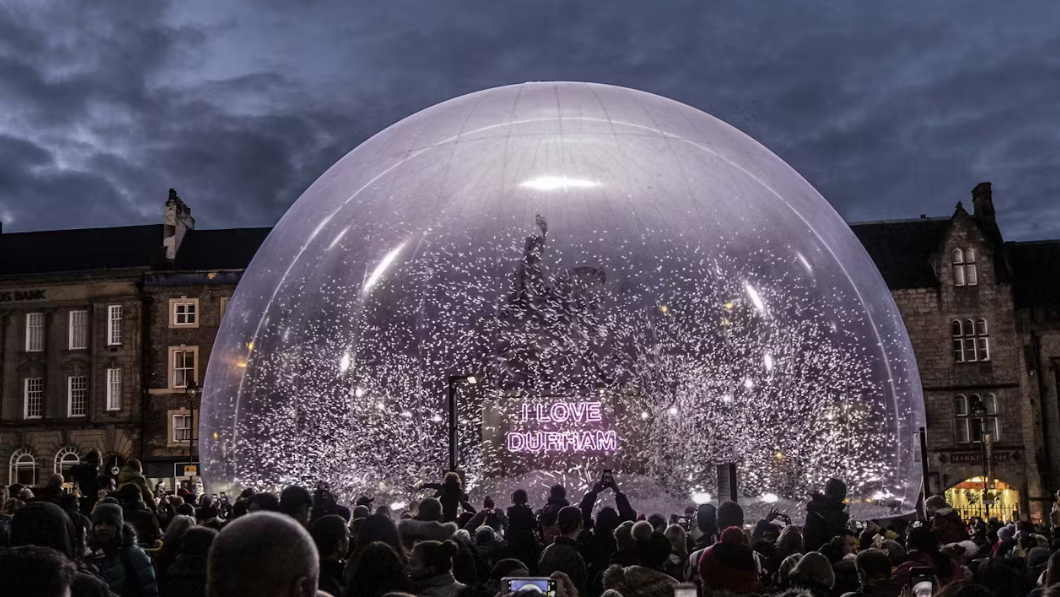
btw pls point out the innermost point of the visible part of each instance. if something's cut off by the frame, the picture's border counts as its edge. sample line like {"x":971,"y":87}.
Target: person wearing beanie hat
{"x":1006,"y":541}
{"x":125,"y":568}
{"x":648,"y":578}
{"x":729,"y":564}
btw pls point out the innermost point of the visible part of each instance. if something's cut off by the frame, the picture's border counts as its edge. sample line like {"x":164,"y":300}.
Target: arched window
{"x":971,"y":341}
{"x":974,"y":414}
{"x":23,"y":468}
{"x":958,"y":267}
{"x":960,"y":411}
{"x":65,"y":460}
{"x":993,"y":418}
{"x":971,"y":276}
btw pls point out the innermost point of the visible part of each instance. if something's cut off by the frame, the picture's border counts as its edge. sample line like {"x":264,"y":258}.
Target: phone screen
{"x":543,"y":585}
{"x":607,"y":477}
{"x":922,"y":581}
{"x":684,"y":590}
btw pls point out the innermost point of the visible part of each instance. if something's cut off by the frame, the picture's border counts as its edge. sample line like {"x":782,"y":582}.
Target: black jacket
{"x":565,"y":556}
{"x":522,"y":536}
{"x":186,"y":577}
{"x":825,"y":519}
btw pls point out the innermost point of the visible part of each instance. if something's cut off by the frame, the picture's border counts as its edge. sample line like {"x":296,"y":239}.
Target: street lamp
{"x":984,"y":439}
{"x":454,"y":381}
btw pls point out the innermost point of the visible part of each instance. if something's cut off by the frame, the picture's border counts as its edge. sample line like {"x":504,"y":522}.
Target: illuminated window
{"x":78,"y":337}
{"x":114,"y":325}
{"x":34,"y":332}
{"x":184,"y":313}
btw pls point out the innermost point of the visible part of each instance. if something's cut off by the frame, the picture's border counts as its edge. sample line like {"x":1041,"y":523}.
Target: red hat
{"x":729,"y":564}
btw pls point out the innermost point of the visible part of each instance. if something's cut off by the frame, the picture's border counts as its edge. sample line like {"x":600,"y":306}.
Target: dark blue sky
{"x":891,"y":109}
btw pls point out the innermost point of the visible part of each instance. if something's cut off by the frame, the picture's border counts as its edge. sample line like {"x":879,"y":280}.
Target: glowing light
{"x":380,"y":406}
{"x":673,"y":410}
{"x":380,"y":269}
{"x":729,"y":305}
{"x":664,"y":308}
{"x":241,"y":364}
{"x":399,"y":505}
{"x":250,"y":346}
{"x":407,"y":414}
{"x":770,"y":498}
{"x":727,"y":398}
{"x":805,"y":263}
{"x":779,"y":455}
{"x":768,"y":360}
{"x":338,"y":237}
{"x":701,"y":497}
{"x":344,"y":363}
{"x":644,"y":415}
{"x":748,"y":383}
{"x":359,"y":392}
{"x":565,"y":441}
{"x":437,"y":418}
{"x":552,"y":183}
{"x":471,"y":379}
{"x":755,"y":299}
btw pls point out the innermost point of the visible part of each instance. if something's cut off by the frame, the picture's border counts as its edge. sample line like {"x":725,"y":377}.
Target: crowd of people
{"x":118,"y":537}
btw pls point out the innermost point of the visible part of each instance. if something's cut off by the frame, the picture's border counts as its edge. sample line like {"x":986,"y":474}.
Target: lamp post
{"x":984,"y":440}
{"x":192,"y":393}
{"x":454,"y":381}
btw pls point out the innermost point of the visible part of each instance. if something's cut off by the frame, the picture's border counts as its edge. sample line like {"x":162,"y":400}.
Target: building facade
{"x":105,"y":335}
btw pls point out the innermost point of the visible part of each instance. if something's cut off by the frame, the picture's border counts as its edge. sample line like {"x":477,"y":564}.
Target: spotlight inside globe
{"x":633,"y":285}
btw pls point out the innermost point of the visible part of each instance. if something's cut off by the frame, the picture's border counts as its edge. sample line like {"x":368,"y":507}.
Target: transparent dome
{"x":634,"y":284}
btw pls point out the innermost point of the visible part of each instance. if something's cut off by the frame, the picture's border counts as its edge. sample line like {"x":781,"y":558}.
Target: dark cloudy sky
{"x":891,"y":109}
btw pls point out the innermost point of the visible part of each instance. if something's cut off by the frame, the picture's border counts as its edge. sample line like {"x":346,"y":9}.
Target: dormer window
{"x":964,"y":267}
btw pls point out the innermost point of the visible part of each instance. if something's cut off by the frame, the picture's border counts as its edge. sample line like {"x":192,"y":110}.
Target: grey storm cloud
{"x":889,"y":109}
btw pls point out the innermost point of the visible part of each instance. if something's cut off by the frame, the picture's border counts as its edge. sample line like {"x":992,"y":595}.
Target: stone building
{"x":976,"y":308}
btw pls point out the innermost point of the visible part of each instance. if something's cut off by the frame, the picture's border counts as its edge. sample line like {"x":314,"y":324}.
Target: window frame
{"x":184,"y":301}
{"x":957,"y":262}
{"x":72,"y":328}
{"x":971,"y":271}
{"x":968,"y":423}
{"x":224,"y":306}
{"x":114,"y":393}
{"x":26,"y":398}
{"x":82,"y":381}
{"x":17,"y":462}
{"x":189,"y":420}
{"x":973,"y":343}
{"x":31,"y":328}
{"x":172,"y":369}
{"x":60,"y":459}
{"x":115,"y":325}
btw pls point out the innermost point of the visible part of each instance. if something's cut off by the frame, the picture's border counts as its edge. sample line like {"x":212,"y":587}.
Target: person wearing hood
{"x":564,"y":554}
{"x":557,"y":500}
{"x":490,"y":549}
{"x":331,"y":536}
{"x":729,"y":565}
{"x":431,"y":568}
{"x":647,"y":579}
{"x":812,"y":576}
{"x":946,"y":523}
{"x":139,"y":515}
{"x":46,"y":525}
{"x":924,"y":552}
{"x":826,"y":515}
{"x":125,"y":568}
{"x":133,"y":474}
{"x":522,"y":531}
{"x":187,"y":576}
{"x":428,"y":526}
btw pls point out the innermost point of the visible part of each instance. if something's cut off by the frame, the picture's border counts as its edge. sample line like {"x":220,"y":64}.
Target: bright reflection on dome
{"x":617,"y":269}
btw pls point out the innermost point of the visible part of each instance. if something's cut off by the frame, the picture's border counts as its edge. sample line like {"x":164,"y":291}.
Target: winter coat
{"x":877,"y":588}
{"x":564,"y":556}
{"x":948,"y":526}
{"x":186,"y":577}
{"x":825,"y":518}
{"x":330,"y":579}
{"x":144,"y":521}
{"x":413,"y":531}
{"x":129,"y":475}
{"x":128,"y":572}
{"x":638,"y":581}
{"x":920,"y":558}
{"x":522,"y":536}
{"x":451,"y":497}
{"x":443,"y":585}
{"x":846,"y":577}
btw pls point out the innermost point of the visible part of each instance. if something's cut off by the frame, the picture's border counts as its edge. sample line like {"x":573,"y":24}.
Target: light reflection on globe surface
{"x":572,"y":244}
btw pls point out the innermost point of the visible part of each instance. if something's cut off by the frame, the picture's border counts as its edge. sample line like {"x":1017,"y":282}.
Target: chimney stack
{"x":983,"y":202}
{"x":177,"y":223}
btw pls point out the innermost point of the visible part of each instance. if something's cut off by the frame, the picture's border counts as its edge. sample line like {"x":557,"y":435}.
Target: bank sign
{"x":15,"y":296}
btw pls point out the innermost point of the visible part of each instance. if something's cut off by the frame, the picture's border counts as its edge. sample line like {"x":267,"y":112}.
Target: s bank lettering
{"x":21,"y":295}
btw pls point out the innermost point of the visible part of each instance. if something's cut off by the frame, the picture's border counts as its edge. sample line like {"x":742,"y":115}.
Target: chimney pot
{"x":983,"y":202}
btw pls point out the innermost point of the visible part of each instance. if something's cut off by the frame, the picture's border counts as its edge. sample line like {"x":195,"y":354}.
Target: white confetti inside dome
{"x":634,"y":285}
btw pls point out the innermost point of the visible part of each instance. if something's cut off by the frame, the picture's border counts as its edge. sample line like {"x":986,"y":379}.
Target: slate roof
{"x":902,"y":249}
{"x":231,"y":248}
{"x":56,"y":251}
{"x":1036,"y":269}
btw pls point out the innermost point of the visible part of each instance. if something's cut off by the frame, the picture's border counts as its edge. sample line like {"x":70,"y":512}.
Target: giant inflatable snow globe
{"x":594,"y":278}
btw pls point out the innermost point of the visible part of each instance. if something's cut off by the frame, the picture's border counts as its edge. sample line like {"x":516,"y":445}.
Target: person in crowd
{"x":839,"y":552}
{"x":522,"y":525}
{"x":187,"y":576}
{"x":626,"y":554}
{"x":133,"y":473}
{"x":263,"y":554}
{"x":172,"y":546}
{"x":37,"y":571}
{"x":729,"y":565}
{"x":427,"y":526}
{"x":1037,"y":563}
{"x":946,"y":523}
{"x":431,"y":568}
{"x":450,"y":493}
{"x":5,"y":519}
{"x":648,"y":578}
{"x":874,"y":575}
{"x":259,"y":502}
{"x":489,"y":548}
{"x":1049,"y":578}
{"x":789,"y":542}
{"x":379,"y":571}
{"x":707,"y":524}
{"x":11,"y":506}
{"x":46,"y":525}
{"x":557,"y":500}
{"x":506,"y":568}
{"x":125,"y":568}
{"x":207,"y":509}
{"x":826,"y":515}
{"x":730,"y":514}
{"x":895,"y":552}
{"x":812,"y":576}
{"x":332,"y":539}
{"x":657,"y":522}
{"x":296,"y":502}
{"x":1004,"y":577}
{"x":53,"y":490}
{"x":1006,"y":541}
{"x":923,"y":550}
{"x":139,"y":515}
{"x":678,"y":538}
{"x":564,"y":553}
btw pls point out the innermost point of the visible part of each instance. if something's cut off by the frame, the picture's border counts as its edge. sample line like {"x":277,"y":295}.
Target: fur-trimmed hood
{"x":638,"y":581}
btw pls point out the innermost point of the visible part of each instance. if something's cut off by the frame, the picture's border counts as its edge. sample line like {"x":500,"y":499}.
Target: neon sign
{"x":567,"y":440}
